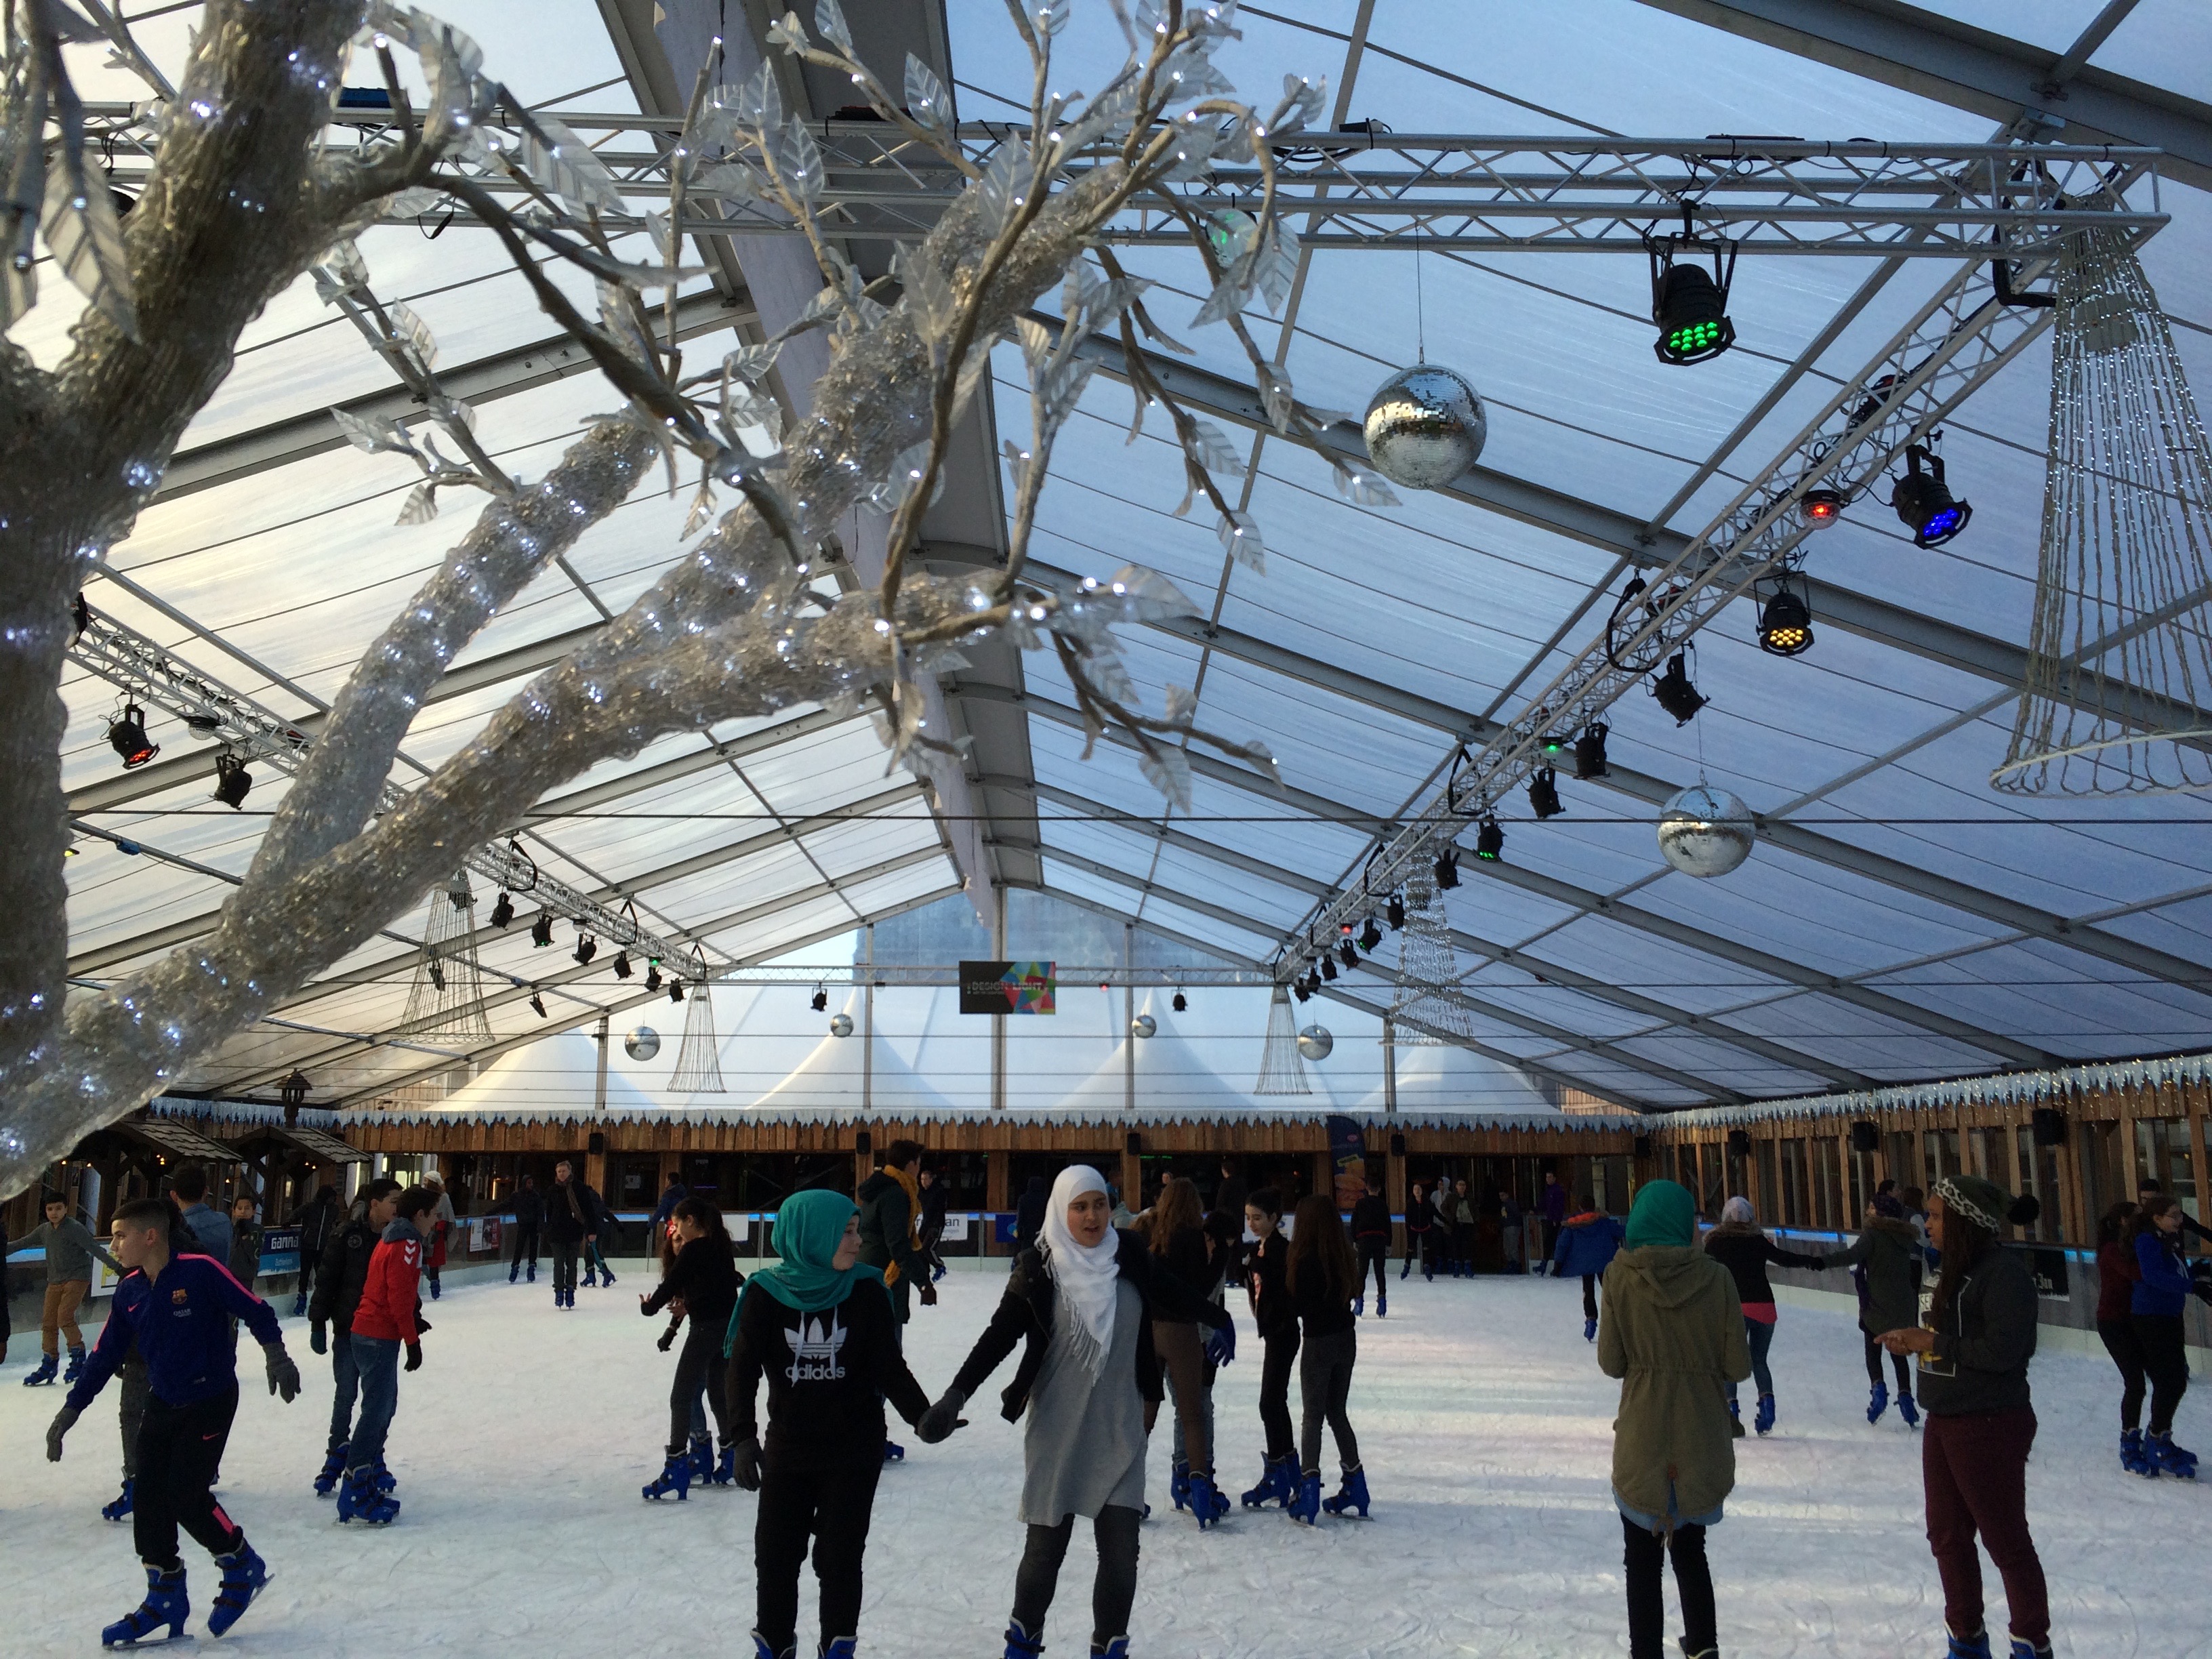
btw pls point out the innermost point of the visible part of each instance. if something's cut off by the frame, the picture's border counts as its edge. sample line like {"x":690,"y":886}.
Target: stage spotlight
{"x":652,"y":977}
{"x":1923,"y":501}
{"x":1395,"y":912}
{"x":1676,"y":694}
{"x":232,"y":780}
{"x":1590,"y":752}
{"x":1690,"y":306}
{"x":437,"y":976}
{"x":1785,"y":625}
{"x":586,"y":948}
{"x":126,"y":734}
{"x":1182,"y":1003}
{"x":537,"y":1003}
{"x":1328,"y":968}
{"x":1298,"y":988}
{"x":676,"y":990}
{"x":1489,"y":841}
{"x":1369,"y":937}
{"x":1821,"y":508}
{"x":502,"y":910}
{"x":622,"y":969}
{"x":1448,"y":867}
{"x":541,"y":931}
{"x":1544,"y":793}
{"x":1350,"y":953}
{"x":820,"y":1000}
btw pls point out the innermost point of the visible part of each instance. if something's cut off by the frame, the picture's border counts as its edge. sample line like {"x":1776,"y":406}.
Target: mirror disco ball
{"x":643,"y":1043}
{"x":1703,"y":831}
{"x":841,"y":1025}
{"x":1144,"y":1025}
{"x":1425,"y":426}
{"x":1314,"y":1042}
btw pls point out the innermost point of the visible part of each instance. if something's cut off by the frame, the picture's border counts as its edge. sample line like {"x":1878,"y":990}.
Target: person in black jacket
{"x":1278,"y":1319}
{"x":605,"y":1229}
{"x":338,"y":1281}
{"x":1370,"y":1236}
{"x":936,"y":1199}
{"x":1029,"y":1215}
{"x":317,"y":1219}
{"x":1323,"y":1274}
{"x":704,"y":1280}
{"x":1420,"y":1222}
{"x":1976,"y":1336}
{"x":529,"y":1206}
{"x":1081,"y":1306}
{"x":572,"y":1222}
{"x":1739,"y":1245}
{"x":890,"y":1202}
{"x":1231,"y":1195}
{"x":1176,"y":1234}
{"x":818,"y":1327}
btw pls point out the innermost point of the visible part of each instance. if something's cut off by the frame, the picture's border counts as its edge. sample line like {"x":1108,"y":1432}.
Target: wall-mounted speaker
{"x":597,"y":1145}
{"x":2049,"y":1126}
{"x":863,"y":1143}
{"x":1739,"y":1142}
{"x":1644,"y":1145}
{"x":1134,"y":1145}
{"x":1866,"y":1137}
{"x":1397,"y":1144}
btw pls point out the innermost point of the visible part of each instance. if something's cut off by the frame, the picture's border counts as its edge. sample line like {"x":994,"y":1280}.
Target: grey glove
{"x":283,"y":1375}
{"x":64,"y":1420}
{"x":939,"y":1420}
{"x":746,"y":1465}
{"x":318,"y":1338}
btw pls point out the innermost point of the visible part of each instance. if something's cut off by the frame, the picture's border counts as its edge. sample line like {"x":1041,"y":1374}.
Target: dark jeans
{"x":833,"y":1507}
{"x":1324,"y":1386}
{"x":1282,"y":1354}
{"x":1416,"y":1246}
{"x":2119,"y":1338}
{"x":1113,"y":1593}
{"x":1898,"y":1361}
{"x":700,"y":1360}
{"x":180,"y":1450}
{"x":131,"y":1412}
{"x":2159,"y":1336}
{"x":345,"y":1373}
{"x":1375,"y":1254}
{"x":563,"y":1252}
{"x":1645,"y":1560}
{"x":1974,"y":1469}
{"x":525,"y":1249}
{"x":1589,"y":1296}
{"x":1761,"y":1336}
{"x":377,"y":1360}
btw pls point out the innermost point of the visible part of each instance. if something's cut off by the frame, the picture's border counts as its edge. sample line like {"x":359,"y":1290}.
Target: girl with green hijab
{"x":1673,"y":1334}
{"x":819,"y":1327}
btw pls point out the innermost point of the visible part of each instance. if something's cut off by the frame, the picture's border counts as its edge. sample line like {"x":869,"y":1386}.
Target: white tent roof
{"x":556,"y":1078}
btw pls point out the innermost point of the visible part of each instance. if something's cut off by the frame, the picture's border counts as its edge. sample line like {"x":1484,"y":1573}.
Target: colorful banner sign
{"x":1008,"y":987}
{"x":1347,"y":1157}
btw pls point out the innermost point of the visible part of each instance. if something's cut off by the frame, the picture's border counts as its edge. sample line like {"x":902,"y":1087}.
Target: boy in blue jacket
{"x":1588,"y":1242}
{"x":178,"y":1308}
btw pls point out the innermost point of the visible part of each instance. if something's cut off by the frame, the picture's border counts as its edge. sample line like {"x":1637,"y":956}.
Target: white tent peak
{"x":553,"y":1077}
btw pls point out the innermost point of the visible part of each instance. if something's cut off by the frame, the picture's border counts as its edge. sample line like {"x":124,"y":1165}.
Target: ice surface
{"x":521,"y":1444}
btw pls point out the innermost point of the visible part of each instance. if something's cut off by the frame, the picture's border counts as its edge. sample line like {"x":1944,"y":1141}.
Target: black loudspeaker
{"x":863,"y":1143}
{"x":597,"y":1145}
{"x":2049,"y":1126}
{"x":1134,"y":1145}
{"x":1644,"y":1145}
{"x":1866,"y":1137}
{"x":1397,"y":1144}
{"x":1740,"y":1142}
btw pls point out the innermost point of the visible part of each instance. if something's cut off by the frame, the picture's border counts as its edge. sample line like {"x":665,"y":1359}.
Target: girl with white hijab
{"x":1082,"y":1304}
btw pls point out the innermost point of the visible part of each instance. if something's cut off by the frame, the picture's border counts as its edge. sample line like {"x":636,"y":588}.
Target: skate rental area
{"x":924,"y":828}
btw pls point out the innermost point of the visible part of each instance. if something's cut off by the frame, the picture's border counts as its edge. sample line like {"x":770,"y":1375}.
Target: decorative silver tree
{"x":248,"y":189}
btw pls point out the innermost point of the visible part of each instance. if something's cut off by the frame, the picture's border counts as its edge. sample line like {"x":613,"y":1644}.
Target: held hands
{"x":283,"y":1375}
{"x":318,"y":1338}
{"x":937,"y":1423}
{"x":747,"y":1464}
{"x":64,"y":1420}
{"x":1221,"y":1344}
{"x":414,"y":1357}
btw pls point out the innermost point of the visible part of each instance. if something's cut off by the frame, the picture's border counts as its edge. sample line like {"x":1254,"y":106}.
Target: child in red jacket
{"x":388,"y":1316}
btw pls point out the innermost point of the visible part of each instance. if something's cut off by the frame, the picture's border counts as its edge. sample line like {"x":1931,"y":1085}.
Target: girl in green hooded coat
{"x":819,"y":1327}
{"x":1673,"y":1333}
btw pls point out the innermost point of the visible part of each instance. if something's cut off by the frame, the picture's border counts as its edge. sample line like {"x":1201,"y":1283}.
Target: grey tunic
{"x":1084,"y":1445}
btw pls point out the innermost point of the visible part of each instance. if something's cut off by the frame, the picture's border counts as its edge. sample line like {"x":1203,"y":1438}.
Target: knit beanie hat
{"x":1983,"y":1202}
{"x":1886,"y":1204}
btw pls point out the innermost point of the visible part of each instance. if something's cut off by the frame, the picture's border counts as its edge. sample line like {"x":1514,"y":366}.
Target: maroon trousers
{"x":1974,"y":1468}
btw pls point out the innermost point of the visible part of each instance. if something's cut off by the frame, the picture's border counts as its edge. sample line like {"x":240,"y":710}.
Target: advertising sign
{"x":1008,"y":987}
{"x":1347,"y":1158}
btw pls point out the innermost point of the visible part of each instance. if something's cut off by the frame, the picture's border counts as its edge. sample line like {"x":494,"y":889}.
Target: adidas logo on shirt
{"x":814,"y":1350}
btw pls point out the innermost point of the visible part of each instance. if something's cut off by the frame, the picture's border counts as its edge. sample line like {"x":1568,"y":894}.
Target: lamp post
{"x":293,"y":1093}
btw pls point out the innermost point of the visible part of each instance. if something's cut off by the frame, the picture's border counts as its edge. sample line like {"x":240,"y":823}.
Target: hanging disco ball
{"x":1314,"y":1042}
{"x":643,"y":1043}
{"x":842,"y":1026}
{"x":1703,"y":831}
{"x":1231,"y":233}
{"x":1425,"y":426}
{"x":1144,"y":1025}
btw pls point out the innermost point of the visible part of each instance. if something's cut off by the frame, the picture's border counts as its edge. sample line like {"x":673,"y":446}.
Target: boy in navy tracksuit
{"x":1587,"y":1241}
{"x":177,"y":1309}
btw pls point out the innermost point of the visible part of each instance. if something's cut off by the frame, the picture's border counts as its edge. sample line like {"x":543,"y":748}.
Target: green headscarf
{"x":808,"y":1229}
{"x":1663,"y":1213}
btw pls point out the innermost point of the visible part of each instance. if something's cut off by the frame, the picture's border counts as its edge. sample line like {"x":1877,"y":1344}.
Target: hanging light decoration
{"x":1923,"y":500}
{"x":1786,"y":623}
{"x":586,"y":948}
{"x":1181,"y":1003}
{"x":1315,"y":1042}
{"x":1349,"y":952}
{"x":1675,"y":692}
{"x":502,"y":909}
{"x":1328,"y":968}
{"x":1690,"y":306}
{"x":1448,"y":867}
{"x":1489,"y":841}
{"x":537,"y":1003}
{"x":676,"y":990}
{"x":1705,"y":831}
{"x":1821,"y":508}
{"x":1544,"y":793}
{"x":1425,"y":426}
{"x":1143,"y":1026}
{"x":1590,"y":752}
{"x":643,"y":1042}
{"x":1395,"y":911}
{"x":841,"y":1025}
{"x":1281,"y":1070}
{"x":1369,"y":937}
{"x":652,"y":975}
{"x":232,"y":780}
{"x":623,"y":968}
{"x":820,"y":999}
{"x":541,"y":931}
{"x":126,"y":735}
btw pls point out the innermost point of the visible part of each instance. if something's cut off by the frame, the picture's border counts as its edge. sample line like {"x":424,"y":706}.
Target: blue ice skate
{"x":1877,"y":1402}
{"x":843,"y":1647}
{"x":1179,"y":1484}
{"x":1764,"y":1422}
{"x":1590,"y":1330}
{"x":48,"y":1367}
{"x":1976,"y":1646}
{"x":1360,"y":1305}
{"x":2170,"y":1458}
{"x":76,"y":1365}
{"x":2133,"y":1459}
{"x":675,"y":1477}
{"x":1382,"y":1305}
{"x":726,"y":1467}
{"x":244,"y":1574}
{"x":2024,"y":1649}
{"x":1305,"y":1502}
{"x":1909,"y":1409}
{"x":361,"y":1505}
{"x":332,"y":1472}
{"x":1352,"y":1495}
{"x":1116,"y":1649}
{"x":702,"y":1458}
{"x":893,"y":1452}
{"x":761,"y":1650}
{"x":120,"y":1508}
{"x":1020,"y":1644}
{"x":1278,"y":1477}
{"x":385,"y":1480}
{"x":165,"y":1604}
{"x":1208,"y":1503}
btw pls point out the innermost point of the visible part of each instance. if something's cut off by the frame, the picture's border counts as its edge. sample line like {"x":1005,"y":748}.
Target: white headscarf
{"x":1739,"y":1210}
{"x":1085,"y":1275}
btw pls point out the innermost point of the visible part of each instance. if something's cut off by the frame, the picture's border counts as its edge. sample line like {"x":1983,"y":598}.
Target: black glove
{"x":414,"y":1357}
{"x":928,"y":1294}
{"x":64,"y":1420}
{"x":746,"y":1464}
{"x":667,"y":1339}
{"x":283,"y":1375}
{"x":421,"y":1323}
{"x":318,"y":1338}
{"x":939,"y":1420}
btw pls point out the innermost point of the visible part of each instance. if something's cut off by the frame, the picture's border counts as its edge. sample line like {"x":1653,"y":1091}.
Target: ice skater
{"x":1370,"y":1236}
{"x":2117,"y":1274}
{"x":71,"y":1250}
{"x":704,"y":1280}
{"x":2159,"y":1294}
{"x":1176,"y":1234}
{"x":1322,"y":1276}
{"x":1884,"y":1264}
{"x":1277,"y":1318}
{"x":338,"y":1283}
{"x":388,"y":1317}
{"x":317,"y":1219}
{"x":1739,"y":1245}
{"x":1973,"y":1346}
{"x":1587,"y":1240}
{"x":1081,"y":1305}
{"x":936,"y":1199}
{"x":529,"y":1206}
{"x":178,"y":1308}
{"x":438,"y":1233}
{"x":817,"y":1325}
{"x":572,"y":1216}
{"x":1420,"y":1218}
{"x":890,"y":1203}
{"x":1674,"y":1335}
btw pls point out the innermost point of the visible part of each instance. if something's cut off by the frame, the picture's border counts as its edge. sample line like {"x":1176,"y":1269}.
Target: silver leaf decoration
{"x":758,"y":104}
{"x":1240,"y":539}
{"x":1004,"y":180}
{"x":372,"y":432}
{"x":1110,"y":675}
{"x":86,"y":241}
{"x":422,"y":505}
{"x":929,"y":298}
{"x":1277,"y":266}
{"x":926,"y":100}
{"x":1364,"y":489}
{"x":1037,"y":341}
{"x":1210,"y":448}
{"x":1230,"y":296}
{"x":752,"y":362}
{"x":830,"y":22}
{"x":800,"y":159}
{"x":566,"y":168}
{"x":1168,"y":770}
{"x":415,"y":337}
{"x":1182,"y":705}
{"x":1147,"y":596}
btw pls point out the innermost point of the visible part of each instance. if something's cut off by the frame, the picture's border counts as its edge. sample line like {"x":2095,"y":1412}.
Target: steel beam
{"x":1948,"y":62}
